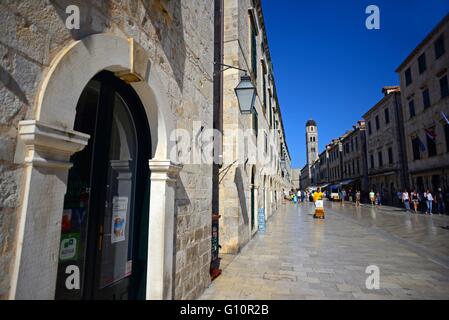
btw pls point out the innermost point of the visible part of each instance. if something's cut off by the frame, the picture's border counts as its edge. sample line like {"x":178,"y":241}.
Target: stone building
{"x":354,"y":158}
{"x":424,"y":77}
{"x":334,"y":163}
{"x":305,"y":179}
{"x":256,"y":166}
{"x":296,"y":180}
{"x":385,"y":146}
{"x":113,"y":90}
{"x":323,"y":172}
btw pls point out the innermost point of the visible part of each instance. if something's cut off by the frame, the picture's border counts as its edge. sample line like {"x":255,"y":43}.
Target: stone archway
{"x":46,"y":143}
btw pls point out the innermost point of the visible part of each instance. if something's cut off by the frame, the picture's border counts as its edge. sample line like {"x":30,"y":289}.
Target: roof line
{"x":423,"y":43}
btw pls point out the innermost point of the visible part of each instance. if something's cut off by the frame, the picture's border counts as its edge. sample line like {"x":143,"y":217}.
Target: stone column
{"x":256,"y":209}
{"x":164,"y":174}
{"x":45,"y":151}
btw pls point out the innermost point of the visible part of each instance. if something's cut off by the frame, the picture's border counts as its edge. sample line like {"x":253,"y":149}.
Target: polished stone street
{"x":302,"y":258}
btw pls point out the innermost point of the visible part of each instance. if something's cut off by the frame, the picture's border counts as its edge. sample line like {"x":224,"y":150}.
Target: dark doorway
{"x":420,"y":184}
{"x":106,"y":208}
{"x":253,"y":205}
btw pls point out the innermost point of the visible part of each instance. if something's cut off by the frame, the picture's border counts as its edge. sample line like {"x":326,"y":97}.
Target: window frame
{"x":439,"y":50}
{"x":422,"y":63}
{"x":426,"y":98}
{"x":408,"y":77}
{"x":412,"y":108}
{"x":444,"y":89}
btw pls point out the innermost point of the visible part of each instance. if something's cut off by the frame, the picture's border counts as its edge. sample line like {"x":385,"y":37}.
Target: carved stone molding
{"x":49,"y":146}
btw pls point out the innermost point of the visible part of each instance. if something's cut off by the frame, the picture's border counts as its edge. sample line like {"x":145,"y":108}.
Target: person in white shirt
{"x":406,"y":200}
{"x":429,"y":199}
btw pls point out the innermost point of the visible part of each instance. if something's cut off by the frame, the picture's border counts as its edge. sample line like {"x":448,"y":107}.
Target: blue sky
{"x":329,"y":67}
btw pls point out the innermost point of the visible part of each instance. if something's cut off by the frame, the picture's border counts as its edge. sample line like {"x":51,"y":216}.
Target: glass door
{"x":111,"y":247}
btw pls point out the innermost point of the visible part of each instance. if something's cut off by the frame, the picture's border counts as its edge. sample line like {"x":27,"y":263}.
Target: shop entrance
{"x":104,"y":236}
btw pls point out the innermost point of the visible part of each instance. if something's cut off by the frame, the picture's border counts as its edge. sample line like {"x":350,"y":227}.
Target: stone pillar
{"x":160,"y":273}
{"x":265,"y":202}
{"x":256,"y":209}
{"x":45,"y":151}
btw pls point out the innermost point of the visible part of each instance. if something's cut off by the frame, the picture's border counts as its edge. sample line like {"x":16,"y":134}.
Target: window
{"x":431,"y":142}
{"x":381,"y":162}
{"x":358,"y":166}
{"x":254,"y":49}
{"x":416,"y":148}
{"x":377,"y":123}
{"x":356,"y":144}
{"x":446,"y":133}
{"x":271,"y":110}
{"x":439,"y":47}
{"x":411,"y":108}
{"x":369,"y":128}
{"x":387,"y":116}
{"x":444,"y":86}
{"x":408,"y":77}
{"x":264,"y":88}
{"x":311,"y":128}
{"x":390,"y":156}
{"x":255,"y":124}
{"x":426,"y":98}
{"x":422,"y":63}
{"x":372,"y":160}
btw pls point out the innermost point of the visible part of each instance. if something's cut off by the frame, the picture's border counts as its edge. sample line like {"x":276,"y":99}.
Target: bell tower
{"x":311,"y":142}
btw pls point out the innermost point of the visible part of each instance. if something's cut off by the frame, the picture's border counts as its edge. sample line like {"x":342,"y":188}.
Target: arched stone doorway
{"x":47,"y":142}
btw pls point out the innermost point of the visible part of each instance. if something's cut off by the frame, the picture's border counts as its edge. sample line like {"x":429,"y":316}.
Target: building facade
{"x":354,"y":158}
{"x":256,"y":166}
{"x":424,"y":78}
{"x":385,"y":146}
{"x":129,"y":95}
{"x":334,"y":163}
{"x":132,"y":66}
{"x":305,"y":179}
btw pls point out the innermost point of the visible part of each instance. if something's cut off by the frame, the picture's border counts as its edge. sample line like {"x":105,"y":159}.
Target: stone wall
{"x":178,"y":36}
{"x":433,"y":168}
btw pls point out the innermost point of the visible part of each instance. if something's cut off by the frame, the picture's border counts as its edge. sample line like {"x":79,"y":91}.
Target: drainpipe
{"x":218,"y":129}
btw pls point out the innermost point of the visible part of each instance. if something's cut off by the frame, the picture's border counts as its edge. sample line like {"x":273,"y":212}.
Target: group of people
{"x":428,"y":202}
{"x":424,"y":201}
{"x":297,"y":196}
{"x":351,"y":196}
{"x":317,"y":197}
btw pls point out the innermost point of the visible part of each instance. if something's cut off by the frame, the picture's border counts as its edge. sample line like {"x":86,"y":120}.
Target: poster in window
{"x":118,"y":224}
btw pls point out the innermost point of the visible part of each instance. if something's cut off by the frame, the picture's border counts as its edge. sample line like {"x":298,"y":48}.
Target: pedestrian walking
{"x":372,"y":197}
{"x":357,"y":198}
{"x":378,"y":199}
{"x":415,"y":200}
{"x":429,"y":201}
{"x":440,"y":201}
{"x":406,"y":200}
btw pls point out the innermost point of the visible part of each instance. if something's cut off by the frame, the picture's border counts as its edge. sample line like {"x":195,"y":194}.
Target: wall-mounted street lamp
{"x":245,"y":91}
{"x":246,"y":94}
